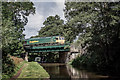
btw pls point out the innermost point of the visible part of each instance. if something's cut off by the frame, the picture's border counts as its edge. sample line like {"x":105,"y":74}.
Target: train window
{"x":62,"y":38}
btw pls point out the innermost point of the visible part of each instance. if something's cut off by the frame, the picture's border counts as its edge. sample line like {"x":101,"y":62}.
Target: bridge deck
{"x":54,"y":48}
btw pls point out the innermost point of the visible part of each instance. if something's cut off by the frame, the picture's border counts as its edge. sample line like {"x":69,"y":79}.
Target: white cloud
{"x":61,"y":6}
{"x":43,"y":10}
{"x":34,"y":24}
{"x":34,"y":20}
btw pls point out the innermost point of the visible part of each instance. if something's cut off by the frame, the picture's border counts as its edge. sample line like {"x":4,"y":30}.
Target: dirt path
{"x":18,"y":73}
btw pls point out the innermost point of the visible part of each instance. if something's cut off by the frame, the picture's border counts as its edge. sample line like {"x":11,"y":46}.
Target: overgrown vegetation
{"x":18,"y":63}
{"x":99,"y":32}
{"x":14,"y":18}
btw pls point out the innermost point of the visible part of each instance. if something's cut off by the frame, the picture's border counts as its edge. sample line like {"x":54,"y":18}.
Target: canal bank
{"x":29,"y":71}
{"x":65,"y":71}
{"x":33,"y":70}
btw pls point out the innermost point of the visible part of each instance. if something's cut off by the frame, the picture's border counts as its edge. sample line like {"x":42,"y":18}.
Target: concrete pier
{"x":26,"y":56}
{"x":63,"y":57}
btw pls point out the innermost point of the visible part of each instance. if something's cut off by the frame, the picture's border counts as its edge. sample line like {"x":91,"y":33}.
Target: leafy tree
{"x":98,"y":28}
{"x":14,"y":18}
{"x":16,"y":12}
{"x":53,"y":25}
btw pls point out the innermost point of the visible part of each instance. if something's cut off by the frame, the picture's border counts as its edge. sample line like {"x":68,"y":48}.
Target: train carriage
{"x":44,"y":41}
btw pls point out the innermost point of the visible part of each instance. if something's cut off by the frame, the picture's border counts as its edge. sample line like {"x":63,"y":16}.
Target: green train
{"x":44,"y":41}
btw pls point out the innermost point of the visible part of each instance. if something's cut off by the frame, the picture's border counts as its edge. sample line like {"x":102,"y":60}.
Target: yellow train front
{"x":60,"y":40}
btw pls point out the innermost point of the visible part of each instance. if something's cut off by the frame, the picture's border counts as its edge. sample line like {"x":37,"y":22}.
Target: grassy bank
{"x":17,"y":64}
{"x":33,"y":70}
{"x":16,"y":69}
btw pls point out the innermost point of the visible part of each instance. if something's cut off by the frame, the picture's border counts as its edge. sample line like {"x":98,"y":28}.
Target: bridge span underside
{"x":62,"y":49}
{"x":54,"y":48}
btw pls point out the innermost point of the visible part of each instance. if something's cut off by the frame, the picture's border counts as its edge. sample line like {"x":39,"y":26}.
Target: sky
{"x":43,"y":10}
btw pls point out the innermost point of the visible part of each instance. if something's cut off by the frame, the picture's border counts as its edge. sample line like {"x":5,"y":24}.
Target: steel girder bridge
{"x":63,"y":50}
{"x":51,"y":48}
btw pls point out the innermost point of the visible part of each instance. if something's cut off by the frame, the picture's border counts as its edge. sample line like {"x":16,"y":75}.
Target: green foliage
{"x":14,"y":68}
{"x":14,"y":18}
{"x":52,"y":27}
{"x":99,"y":31}
{"x":7,"y":67}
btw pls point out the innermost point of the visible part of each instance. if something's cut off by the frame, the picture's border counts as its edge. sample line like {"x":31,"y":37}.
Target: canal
{"x":67,"y":72}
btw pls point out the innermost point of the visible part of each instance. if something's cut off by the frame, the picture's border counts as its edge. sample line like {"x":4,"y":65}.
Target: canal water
{"x":58,"y":71}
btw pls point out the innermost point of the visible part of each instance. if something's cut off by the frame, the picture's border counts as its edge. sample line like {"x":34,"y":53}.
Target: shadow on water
{"x":58,"y":71}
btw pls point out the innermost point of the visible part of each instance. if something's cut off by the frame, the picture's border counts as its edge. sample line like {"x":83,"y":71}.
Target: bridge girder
{"x":54,"y":48}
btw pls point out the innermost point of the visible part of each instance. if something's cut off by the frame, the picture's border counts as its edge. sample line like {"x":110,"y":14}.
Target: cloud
{"x":43,"y":10}
{"x":33,"y":25}
{"x":46,"y":8}
{"x":61,"y":6}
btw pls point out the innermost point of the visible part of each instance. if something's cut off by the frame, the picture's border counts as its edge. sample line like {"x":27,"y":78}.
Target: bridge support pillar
{"x":63,"y":57}
{"x":26,"y":56}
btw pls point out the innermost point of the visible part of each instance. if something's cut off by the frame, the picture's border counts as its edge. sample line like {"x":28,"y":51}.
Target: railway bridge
{"x":64,"y":51}
{"x":48,"y":44}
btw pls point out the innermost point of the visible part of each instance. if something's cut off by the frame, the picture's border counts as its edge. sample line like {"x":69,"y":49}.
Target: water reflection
{"x":74,"y":73}
{"x":57,"y":70}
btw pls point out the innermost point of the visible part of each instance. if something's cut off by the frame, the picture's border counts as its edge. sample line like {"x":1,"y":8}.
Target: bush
{"x":9,"y":64}
{"x":7,"y":67}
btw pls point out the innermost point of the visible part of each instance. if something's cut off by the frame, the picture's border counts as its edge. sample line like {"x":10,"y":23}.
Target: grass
{"x":18,"y":66}
{"x":33,"y":70}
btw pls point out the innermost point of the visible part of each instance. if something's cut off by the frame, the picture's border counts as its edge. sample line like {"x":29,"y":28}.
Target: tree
{"x":97,"y":25}
{"x":17,"y":14}
{"x":53,"y":25}
{"x":14,"y":18}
